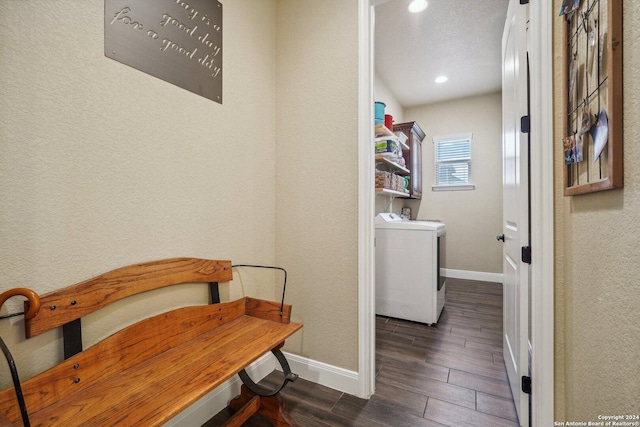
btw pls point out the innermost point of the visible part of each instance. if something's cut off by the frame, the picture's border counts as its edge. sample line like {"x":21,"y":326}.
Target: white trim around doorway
{"x":542,"y":217}
{"x":366,"y":204}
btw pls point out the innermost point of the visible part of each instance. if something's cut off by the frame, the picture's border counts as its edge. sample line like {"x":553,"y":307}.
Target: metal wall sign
{"x":179,"y":41}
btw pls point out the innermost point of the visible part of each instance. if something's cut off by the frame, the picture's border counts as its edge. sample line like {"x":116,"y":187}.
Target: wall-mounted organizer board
{"x":593,"y":138}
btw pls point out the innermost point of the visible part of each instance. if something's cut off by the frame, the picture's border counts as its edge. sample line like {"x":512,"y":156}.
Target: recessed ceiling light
{"x":417,"y":6}
{"x":441,"y":79}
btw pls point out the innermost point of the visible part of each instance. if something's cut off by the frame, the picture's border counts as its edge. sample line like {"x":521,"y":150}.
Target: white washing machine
{"x":409,"y":257}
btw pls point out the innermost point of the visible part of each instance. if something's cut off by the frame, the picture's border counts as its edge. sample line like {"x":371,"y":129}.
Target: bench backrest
{"x":65,"y":305}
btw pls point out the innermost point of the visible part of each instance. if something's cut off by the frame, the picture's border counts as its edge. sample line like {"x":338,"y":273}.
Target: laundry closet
{"x":437,"y":148}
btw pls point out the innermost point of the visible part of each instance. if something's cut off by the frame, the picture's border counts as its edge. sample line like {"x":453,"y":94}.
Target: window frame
{"x":467,"y":137}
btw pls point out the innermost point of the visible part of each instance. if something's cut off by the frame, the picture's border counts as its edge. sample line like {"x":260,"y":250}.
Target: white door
{"x":516,"y":204}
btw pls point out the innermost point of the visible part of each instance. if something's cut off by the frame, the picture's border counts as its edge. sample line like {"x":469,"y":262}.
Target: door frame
{"x":366,"y":203}
{"x":542,"y":215}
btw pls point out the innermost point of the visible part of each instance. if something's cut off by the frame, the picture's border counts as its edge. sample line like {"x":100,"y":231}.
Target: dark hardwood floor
{"x":452,"y":374}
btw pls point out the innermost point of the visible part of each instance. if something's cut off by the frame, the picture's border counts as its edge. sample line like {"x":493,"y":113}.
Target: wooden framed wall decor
{"x":593,"y":96}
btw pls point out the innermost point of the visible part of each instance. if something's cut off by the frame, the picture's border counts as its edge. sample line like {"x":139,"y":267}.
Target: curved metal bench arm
{"x":16,"y":383}
{"x":263,"y":391}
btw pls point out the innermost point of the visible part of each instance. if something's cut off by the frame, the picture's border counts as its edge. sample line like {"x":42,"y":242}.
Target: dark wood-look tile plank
{"x":480,"y":346}
{"x":479,"y":337}
{"x":446,"y":349}
{"x":421,"y":331}
{"x":383,"y":324}
{"x":485,"y":288}
{"x":482,"y":337}
{"x":497,"y":406}
{"x":314,"y":417}
{"x":416,"y":368}
{"x":404,"y":352}
{"x":475,"y":320}
{"x":491,"y":371}
{"x":428,"y":387}
{"x":474,"y":300}
{"x":392,"y":338}
{"x":480,"y":383}
{"x":379,"y":412}
{"x":468,"y":364}
{"x":457,"y":320}
{"x":412,"y":403}
{"x":454,"y":415}
{"x":447,"y":343}
{"x":304,"y":392}
{"x":474,"y":310}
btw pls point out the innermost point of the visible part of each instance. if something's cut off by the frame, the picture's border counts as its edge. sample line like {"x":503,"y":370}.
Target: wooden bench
{"x":148,"y":372}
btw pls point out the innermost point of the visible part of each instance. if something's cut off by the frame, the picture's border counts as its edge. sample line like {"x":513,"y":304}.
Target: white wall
{"x":317,"y":174}
{"x":597,"y":331}
{"x":473,"y":218}
{"x":102,"y":165}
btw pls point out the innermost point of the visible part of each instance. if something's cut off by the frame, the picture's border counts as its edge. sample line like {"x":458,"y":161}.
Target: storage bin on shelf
{"x":387,"y":146}
{"x":391,"y":150}
{"x":390,"y":181}
{"x":402,"y":138}
{"x":379,"y":112}
{"x":399,"y":184}
{"x":383,"y":179}
{"x":394,"y":181}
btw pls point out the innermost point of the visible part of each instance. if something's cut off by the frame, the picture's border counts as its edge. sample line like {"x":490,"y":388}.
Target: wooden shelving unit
{"x":387,"y":163}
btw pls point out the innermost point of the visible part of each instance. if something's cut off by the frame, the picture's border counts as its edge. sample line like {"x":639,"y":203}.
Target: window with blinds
{"x":453,"y":162}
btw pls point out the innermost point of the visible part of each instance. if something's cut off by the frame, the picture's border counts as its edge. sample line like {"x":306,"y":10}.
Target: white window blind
{"x":453,"y":162}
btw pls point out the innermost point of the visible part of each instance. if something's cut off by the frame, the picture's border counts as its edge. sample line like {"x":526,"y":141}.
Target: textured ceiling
{"x":458,"y":38}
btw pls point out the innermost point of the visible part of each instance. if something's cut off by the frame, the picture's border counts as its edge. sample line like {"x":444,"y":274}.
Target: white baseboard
{"x":308,"y":369}
{"x":321,"y":373}
{"x":473,"y":275}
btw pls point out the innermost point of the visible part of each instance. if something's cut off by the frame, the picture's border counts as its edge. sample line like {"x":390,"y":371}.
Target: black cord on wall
{"x":6,"y":316}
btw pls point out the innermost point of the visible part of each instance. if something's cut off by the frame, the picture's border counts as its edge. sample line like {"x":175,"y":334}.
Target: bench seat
{"x":125,"y":400}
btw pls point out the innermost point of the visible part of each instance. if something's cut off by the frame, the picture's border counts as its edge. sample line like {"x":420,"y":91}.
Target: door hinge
{"x":524,"y":124}
{"x":526,"y":254}
{"x":526,"y":384}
